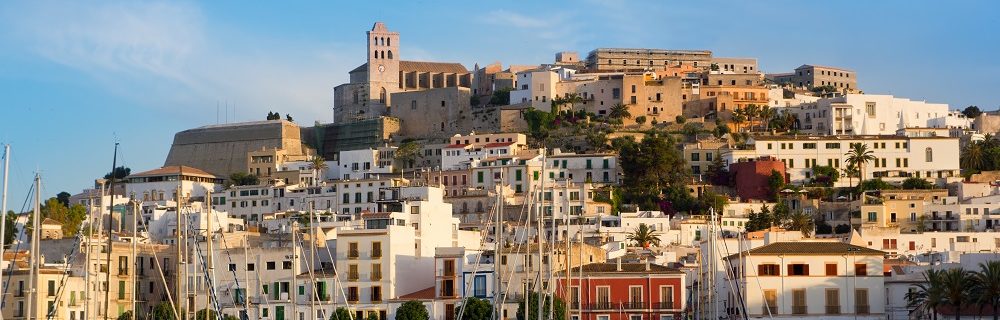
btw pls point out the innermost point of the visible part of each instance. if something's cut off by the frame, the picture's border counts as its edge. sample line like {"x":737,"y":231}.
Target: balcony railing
{"x":861,"y":309}
{"x":770,"y":309}
{"x":352,"y":254}
{"x":663,"y":305}
{"x":603,"y":305}
{"x":353,"y":276}
{"x":799,"y":309}
{"x":376,"y":276}
{"x":377,"y":253}
{"x":832,"y":309}
{"x":634,"y":305}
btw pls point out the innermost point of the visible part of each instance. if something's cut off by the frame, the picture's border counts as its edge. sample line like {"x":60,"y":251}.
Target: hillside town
{"x":615,"y":184}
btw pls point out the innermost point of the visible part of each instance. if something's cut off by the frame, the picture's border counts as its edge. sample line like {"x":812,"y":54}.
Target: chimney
{"x":647,"y":264}
{"x":619,"y":262}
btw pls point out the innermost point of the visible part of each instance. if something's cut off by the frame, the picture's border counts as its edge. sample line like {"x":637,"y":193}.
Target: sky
{"x":76,"y":77}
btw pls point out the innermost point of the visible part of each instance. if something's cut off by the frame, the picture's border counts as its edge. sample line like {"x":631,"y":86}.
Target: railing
{"x":832,"y":309}
{"x":603,"y":305}
{"x":861,"y":309}
{"x":376,"y":276}
{"x":799,"y":309}
{"x":353,"y":276}
{"x":770,"y":309}
{"x":634,"y":305}
{"x":377,"y":253}
{"x":123,"y":271}
{"x":352,"y":254}
{"x":352,"y":298}
{"x":663,"y":305}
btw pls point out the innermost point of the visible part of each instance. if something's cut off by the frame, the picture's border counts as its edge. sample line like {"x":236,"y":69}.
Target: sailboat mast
{"x":211,"y":266}
{"x":178,"y":285}
{"x":496,"y":252}
{"x":3,"y":210}
{"x":293,"y":291}
{"x":135,"y":260}
{"x":35,"y":256}
{"x":111,"y":191}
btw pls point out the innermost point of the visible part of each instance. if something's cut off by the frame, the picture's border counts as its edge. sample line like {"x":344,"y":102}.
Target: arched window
{"x":382,"y":96}
{"x":390,"y":54}
{"x":929,"y":154}
{"x":388,"y":42}
{"x":380,"y":41}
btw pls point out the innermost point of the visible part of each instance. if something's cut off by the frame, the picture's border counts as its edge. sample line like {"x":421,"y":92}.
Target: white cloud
{"x":169,"y":56}
{"x":513,"y":19}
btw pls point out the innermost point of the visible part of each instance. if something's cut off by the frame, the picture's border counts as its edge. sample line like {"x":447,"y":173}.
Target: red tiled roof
{"x":173,"y":170}
{"x":498,"y":144}
{"x":455,"y":146}
{"x":427,"y":293}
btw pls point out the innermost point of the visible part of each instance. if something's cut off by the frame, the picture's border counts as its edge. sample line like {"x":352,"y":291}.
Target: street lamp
{"x":855,"y":276}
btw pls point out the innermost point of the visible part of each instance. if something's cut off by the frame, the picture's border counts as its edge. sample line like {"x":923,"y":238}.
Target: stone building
{"x":222,"y":149}
{"x":621,"y":59}
{"x":372,"y":84}
{"x":811,"y":76}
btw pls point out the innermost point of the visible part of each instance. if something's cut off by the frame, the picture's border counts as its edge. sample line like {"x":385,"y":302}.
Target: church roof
{"x":423,"y":66}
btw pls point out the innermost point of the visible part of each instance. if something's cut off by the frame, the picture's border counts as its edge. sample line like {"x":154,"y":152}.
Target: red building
{"x":751,"y":177}
{"x":624,"y":291}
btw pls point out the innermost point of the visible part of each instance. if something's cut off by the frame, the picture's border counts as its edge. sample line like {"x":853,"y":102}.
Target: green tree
{"x":9,"y":227}
{"x":558,"y":307}
{"x":859,"y":156}
{"x":205,"y":314}
{"x":372,"y":315}
{"x":501,"y":97}
{"x":775,"y":182}
{"x":842,"y":229}
{"x":341,"y":314}
{"x":243,"y":179}
{"x":972,"y":111}
{"x":799,"y":221}
{"x":412,"y":310}
{"x":317,"y":164}
{"x":680,"y":119}
{"x":162,"y":311}
{"x":825,"y":175}
{"x":619,"y":111}
{"x":823,"y":228}
{"x":127,"y":315}
{"x":691,"y":130}
{"x":118,"y":173}
{"x":643,"y":236}
{"x":986,"y":286}
{"x":476,"y":309}
{"x":650,"y":168}
{"x":63,"y":198}
{"x":875,"y":184}
{"x":640,"y":120}
{"x":955,"y":288}
{"x":917,"y":183}
{"x":69,"y":217}
{"x":927,"y":297}
{"x":288,"y":117}
{"x":407,"y":153}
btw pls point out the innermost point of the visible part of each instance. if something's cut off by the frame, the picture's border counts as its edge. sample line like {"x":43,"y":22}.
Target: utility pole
{"x":135,"y":259}
{"x":293,"y":290}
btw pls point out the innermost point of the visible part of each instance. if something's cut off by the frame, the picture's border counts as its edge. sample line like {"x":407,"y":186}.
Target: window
{"x":872,"y":217}
{"x":603,"y":297}
{"x":809,"y":145}
{"x":666,"y":297}
{"x":861,"y":301}
{"x":479,"y":286}
{"x":833,"y":145}
{"x":376,"y":249}
{"x":860,"y":269}
{"x":928,"y":155}
{"x":768,"y":270}
{"x":799,"y":301}
{"x":798,"y":269}
{"x":870,"y":109}
{"x":270,"y":265}
{"x":635,"y":295}
{"x":831,"y":269}
{"x":770,"y":302}
{"x":832,"y":301}
{"x":376,"y":293}
{"x":287,"y":265}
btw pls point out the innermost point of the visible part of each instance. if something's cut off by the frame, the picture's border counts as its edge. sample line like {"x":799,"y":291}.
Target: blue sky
{"x":74,"y":77}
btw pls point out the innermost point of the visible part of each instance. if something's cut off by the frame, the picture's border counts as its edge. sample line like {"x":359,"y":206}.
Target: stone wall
{"x":222,"y":149}
{"x":433,"y":113}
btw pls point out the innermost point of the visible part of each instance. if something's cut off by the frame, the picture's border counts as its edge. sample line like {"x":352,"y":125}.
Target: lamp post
{"x":855,"y":276}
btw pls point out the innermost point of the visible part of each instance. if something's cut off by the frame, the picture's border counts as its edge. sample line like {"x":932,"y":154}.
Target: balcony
{"x":799,"y":309}
{"x":376,"y":253}
{"x":832,"y":309}
{"x":770,"y":309}
{"x":352,"y":254}
{"x":663,"y":305}
{"x":602,"y":305}
{"x":353,"y":276}
{"x":862,"y":309}
{"x":122,"y":271}
{"x":631,"y":305}
{"x":376,"y":276}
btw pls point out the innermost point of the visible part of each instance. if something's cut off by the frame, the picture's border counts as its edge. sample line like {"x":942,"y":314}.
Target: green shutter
{"x":277,"y":290}
{"x":479,"y":176}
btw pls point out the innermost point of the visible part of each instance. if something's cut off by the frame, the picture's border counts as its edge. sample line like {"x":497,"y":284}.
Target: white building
{"x":899,"y":157}
{"x":821,"y":280}
{"x":872,"y":114}
{"x":161,"y":184}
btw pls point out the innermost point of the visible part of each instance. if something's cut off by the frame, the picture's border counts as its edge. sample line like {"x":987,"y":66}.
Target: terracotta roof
{"x":173,"y":170}
{"x":423,"y":66}
{"x":51,"y":221}
{"x":455,"y":146}
{"x":612,"y":267}
{"x":811,"y":248}
{"x":498,"y":144}
{"x":427,"y":293}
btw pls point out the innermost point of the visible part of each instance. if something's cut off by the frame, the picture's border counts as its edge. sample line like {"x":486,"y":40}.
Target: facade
{"x":751,"y":177}
{"x":899,"y":157}
{"x":623,"y":291}
{"x":811,"y":76}
{"x":622,"y":59}
{"x":369,"y":93}
{"x":870,"y":114}
{"x":822,"y":280}
{"x":161,"y":184}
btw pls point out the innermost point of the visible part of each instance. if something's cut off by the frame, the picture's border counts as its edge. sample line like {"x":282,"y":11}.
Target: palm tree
{"x":619,"y":112}
{"x":859,"y":156}
{"x":752,"y":111}
{"x":973,"y":157}
{"x":799,"y":221}
{"x":927,"y":297}
{"x":766,"y":114}
{"x":739,"y":116}
{"x":644,"y":236}
{"x":955,"y":288}
{"x":317,"y":164}
{"x":986,"y":286}
{"x":850,"y":172}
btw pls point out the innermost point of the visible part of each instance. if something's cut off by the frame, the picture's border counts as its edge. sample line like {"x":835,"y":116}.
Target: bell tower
{"x":383,"y":67}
